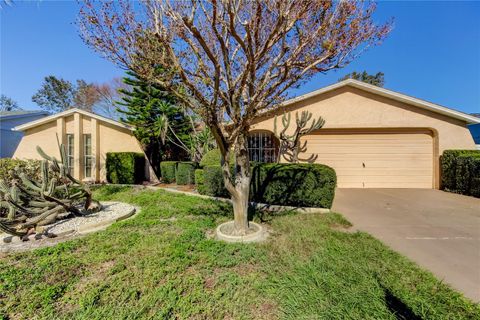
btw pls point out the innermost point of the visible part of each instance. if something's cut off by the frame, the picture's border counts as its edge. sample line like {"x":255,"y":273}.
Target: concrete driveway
{"x":438,"y":230}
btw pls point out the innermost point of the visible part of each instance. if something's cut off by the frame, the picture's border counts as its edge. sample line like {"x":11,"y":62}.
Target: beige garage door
{"x":376,"y":159}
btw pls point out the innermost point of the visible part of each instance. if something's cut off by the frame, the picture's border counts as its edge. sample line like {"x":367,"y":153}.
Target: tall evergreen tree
{"x":374,"y":79}
{"x":154,"y":113}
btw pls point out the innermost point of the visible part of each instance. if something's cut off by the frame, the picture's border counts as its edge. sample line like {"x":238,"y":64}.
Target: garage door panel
{"x":377,"y":163}
{"x":373,"y":158}
{"x":424,"y":185}
{"x":383,"y":173}
{"x":386,"y":178}
{"x":376,"y":159}
{"x":376,"y":150}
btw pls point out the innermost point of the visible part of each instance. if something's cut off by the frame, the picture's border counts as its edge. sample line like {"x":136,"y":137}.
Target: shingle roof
{"x":21,"y":113}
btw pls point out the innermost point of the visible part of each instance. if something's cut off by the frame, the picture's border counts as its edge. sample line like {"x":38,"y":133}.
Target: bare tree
{"x":109,"y":94}
{"x":8,"y":104}
{"x":231,"y":60}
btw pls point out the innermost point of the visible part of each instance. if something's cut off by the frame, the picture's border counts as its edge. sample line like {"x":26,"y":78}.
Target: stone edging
{"x":259,"y":206}
{"x":100,"y":225}
{"x":257,"y":236}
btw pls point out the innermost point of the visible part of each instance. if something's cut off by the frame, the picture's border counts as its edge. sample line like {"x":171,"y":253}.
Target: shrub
{"x":186,"y":172}
{"x":299,"y":185}
{"x":213,"y":181}
{"x":199,"y":181}
{"x":449,"y":165}
{"x":302,"y":185}
{"x":475,"y":187}
{"x":213,"y":158}
{"x":125,"y":167}
{"x":30,"y":167}
{"x":168,"y":170}
{"x":467,"y":169}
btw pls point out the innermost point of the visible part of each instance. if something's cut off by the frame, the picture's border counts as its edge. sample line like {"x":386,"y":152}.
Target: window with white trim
{"x":70,"y":150}
{"x":87,"y":156}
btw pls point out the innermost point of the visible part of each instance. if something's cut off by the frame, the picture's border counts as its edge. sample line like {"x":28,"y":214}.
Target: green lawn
{"x":154,"y":267}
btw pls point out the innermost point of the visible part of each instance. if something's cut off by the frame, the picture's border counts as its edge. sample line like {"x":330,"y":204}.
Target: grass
{"x":152,"y":267}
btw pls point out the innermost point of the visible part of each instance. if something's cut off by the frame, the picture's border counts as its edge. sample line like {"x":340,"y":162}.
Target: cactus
{"x":290,"y":145}
{"x":27,"y":204}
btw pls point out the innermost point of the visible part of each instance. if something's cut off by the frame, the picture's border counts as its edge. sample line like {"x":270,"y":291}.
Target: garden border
{"x":259,"y":206}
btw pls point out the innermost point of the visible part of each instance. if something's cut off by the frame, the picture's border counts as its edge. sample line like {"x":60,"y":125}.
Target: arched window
{"x":262,"y":146}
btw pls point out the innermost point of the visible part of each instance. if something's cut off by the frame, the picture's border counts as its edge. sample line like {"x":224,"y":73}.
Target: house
{"x":10,"y":139}
{"x":87,"y":138}
{"x":373,"y":137}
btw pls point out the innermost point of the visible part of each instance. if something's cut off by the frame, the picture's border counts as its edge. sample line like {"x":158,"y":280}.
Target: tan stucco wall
{"x":105,"y":138}
{"x":114,"y":139}
{"x":43,"y":136}
{"x":351,"y":108}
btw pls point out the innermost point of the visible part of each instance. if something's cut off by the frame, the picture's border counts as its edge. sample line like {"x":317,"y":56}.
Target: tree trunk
{"x":238,"y":183}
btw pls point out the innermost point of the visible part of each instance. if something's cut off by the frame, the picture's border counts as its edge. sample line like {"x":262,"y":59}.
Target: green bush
{"x":460,"y":171}
{"x":449,"y":166}
{"x":213,"y":181}
{"x":299,"y":185}
{"x":199,"y":181}
{"x":30,"y":167}
{"x":467,"y":169}
{"x":168,"y":170}
{"x":186,"y":172}
{"x":125,"y":167}
{"x":475,"y":187}
{"x":213,"y":158}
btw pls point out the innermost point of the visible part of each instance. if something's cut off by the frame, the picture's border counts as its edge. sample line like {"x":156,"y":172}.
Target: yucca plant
{"x":27,"y":203}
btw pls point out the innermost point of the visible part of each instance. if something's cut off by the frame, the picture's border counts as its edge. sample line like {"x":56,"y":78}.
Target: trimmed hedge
{"x":293,"y":184}
{"x":199,"y":181}
{"x":449,"y":164}
{"x":168,"y":170}
{"x":475,"y":187}
{"x":213,"y":158}
{"x":185,"y":173}
{"x":125,"y":167}
{"x":461,"y":171}
{"x":213,"y":184}
{"x":467,"y":169}
{"x":299,"y":185}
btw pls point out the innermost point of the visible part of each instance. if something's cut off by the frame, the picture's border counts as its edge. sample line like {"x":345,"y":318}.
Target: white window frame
{"x":87,"y":155}
{"x":70,"y":152}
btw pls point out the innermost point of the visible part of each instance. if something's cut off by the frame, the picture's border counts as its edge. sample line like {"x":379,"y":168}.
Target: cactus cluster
{"x":290,"y":144}
{"x":26,"y":204}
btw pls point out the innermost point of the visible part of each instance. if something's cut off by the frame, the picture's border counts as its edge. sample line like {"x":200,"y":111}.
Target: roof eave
{"x":469,"y":119}
{"x":68,"y":112}
{"x":16,"y":116}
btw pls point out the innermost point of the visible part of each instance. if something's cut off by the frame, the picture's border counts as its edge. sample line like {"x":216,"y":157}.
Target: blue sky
{"x":433,"y":53}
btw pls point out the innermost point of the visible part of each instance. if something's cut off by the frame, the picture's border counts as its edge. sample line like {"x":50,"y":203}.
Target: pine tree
{"x":374,"y":79}
{"x":151,"y":110}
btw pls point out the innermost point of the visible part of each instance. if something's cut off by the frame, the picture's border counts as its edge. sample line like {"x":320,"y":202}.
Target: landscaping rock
{"x":63,"y":230}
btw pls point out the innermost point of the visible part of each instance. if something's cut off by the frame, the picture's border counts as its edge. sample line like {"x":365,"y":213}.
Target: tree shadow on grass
{"x":266,"y":215}
{"x":397,"y":307}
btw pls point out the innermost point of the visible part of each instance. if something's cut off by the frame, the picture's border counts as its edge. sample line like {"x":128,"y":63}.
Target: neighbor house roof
{"x":388,"y":94}
{"x":68,"y":112}
{"x":21,"y":113}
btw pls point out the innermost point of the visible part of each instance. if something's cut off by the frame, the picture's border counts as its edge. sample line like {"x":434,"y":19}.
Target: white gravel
{"x":110,"y":211}
{"x":68,"y":228}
